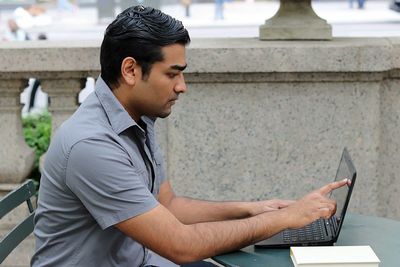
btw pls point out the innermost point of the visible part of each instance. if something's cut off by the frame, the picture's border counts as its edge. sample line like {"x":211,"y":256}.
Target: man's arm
{"x":160,"y":231}
{"x":190,"y":211}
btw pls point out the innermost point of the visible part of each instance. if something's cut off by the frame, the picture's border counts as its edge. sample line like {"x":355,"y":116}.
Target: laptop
{"x":322,"y":232}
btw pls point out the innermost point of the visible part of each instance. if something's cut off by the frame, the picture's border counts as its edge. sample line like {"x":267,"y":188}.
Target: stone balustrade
{"x":259,"y":120}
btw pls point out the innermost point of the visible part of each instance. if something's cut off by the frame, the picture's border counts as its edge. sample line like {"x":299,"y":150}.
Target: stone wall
{"x":260,"y":119}
{"x":270,"y":119}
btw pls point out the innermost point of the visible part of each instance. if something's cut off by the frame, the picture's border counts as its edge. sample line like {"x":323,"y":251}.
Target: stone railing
{"x":260,"y":119}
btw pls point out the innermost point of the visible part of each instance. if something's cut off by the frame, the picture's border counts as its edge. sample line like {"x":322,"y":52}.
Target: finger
{"x":325,"y":213}
{"x":332,"y":186}
{"x":331,"y":206}
{"x":329,"y":201}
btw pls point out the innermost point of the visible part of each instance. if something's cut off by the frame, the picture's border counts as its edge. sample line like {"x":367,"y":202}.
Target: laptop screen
{"x":341,"y":195}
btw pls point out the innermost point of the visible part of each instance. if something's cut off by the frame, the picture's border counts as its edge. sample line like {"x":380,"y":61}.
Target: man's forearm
{"x":204,"y":240}
{"x":184,"y":243}
{"x":190,"y":211}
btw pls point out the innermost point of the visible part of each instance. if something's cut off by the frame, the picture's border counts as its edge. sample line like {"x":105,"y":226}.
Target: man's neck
{"x":122,"y":96}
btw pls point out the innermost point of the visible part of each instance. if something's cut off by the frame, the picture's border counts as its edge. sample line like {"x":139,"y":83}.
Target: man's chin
{"x":164,"y":114}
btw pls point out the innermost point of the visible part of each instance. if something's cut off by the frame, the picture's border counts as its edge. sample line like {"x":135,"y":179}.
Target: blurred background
{"x":87,"y":19}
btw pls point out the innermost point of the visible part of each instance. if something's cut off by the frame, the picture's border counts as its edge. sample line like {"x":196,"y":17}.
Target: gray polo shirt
{"x":99,"y":171}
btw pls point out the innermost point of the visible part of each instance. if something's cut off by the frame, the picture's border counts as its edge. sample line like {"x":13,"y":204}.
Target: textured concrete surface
{"x":16,"y":158}
{"x":241,"y":55}
{"x":388,"y":173}
{"x":250,"y":55}
{"x":62,"y":57}
{"x":63,"y":95}
{"x":280,"y":141}
{"x":262,"y":119}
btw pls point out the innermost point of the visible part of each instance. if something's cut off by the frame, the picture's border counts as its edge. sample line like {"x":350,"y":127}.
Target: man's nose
{"x":180,"y":87}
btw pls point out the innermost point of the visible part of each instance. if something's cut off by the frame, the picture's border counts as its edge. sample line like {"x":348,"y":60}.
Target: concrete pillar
{"x":295,"y":20}
{"x":63,"y":94}
{"x":16,"y":158}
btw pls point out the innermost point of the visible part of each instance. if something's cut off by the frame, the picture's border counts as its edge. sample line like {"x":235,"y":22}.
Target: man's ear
{"x":129,"y":71}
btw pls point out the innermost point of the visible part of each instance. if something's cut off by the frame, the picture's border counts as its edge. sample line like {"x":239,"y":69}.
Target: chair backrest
{"x":24,"y":228}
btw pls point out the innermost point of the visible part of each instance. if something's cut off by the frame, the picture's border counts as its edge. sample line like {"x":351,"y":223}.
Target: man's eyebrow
{"x":179,"y":67}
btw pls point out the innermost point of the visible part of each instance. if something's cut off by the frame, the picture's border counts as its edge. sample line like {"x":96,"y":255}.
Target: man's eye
{"x":172,"y":75}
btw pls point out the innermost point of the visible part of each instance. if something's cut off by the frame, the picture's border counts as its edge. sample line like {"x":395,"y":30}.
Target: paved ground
{"x":242,"y":19}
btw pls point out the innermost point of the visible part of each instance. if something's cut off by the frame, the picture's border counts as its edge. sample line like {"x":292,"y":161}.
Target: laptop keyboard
{"x":311,"y":232}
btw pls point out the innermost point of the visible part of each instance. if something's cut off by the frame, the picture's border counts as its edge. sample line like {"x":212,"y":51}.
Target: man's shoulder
{"x":89,"y":122}
{"x":74,"y":131}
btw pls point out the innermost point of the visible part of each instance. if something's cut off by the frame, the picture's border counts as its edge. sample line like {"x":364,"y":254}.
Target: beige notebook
{"x":335,"y":256}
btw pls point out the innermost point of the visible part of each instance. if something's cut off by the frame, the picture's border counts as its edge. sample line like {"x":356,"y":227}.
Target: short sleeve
{"x":100,"y":173}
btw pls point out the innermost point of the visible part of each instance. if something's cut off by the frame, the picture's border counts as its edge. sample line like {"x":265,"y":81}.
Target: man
{"x":104,"y":199}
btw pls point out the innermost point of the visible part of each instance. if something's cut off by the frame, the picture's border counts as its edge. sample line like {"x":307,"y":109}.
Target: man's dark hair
{"x":138,"y":32}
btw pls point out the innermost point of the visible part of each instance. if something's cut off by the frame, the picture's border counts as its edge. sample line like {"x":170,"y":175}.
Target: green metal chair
{"x":23,"y":229}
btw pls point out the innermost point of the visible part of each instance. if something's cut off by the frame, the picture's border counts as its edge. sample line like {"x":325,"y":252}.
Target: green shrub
{"x":37,"y":132}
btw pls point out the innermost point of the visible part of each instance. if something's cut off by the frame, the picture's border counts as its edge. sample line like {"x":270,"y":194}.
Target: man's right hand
{"x":313,"y":206}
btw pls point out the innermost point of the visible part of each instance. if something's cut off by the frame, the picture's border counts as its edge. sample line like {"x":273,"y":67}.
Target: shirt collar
{"x":117,"y":115}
